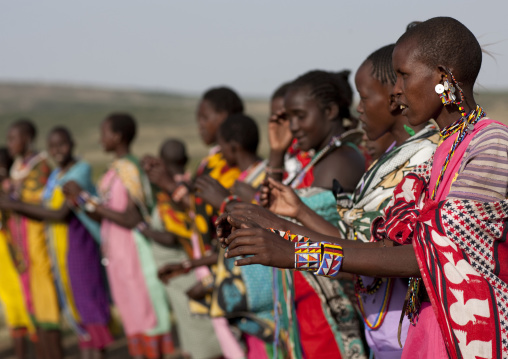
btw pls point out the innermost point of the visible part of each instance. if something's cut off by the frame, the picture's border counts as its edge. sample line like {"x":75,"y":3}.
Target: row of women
{"x":331,"y":248}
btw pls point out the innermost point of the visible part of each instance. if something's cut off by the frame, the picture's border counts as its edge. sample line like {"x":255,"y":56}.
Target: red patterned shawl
{"x":459,"y":245}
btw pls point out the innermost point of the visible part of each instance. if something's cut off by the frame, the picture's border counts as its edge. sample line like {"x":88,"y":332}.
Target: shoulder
{"x":491,"y":137}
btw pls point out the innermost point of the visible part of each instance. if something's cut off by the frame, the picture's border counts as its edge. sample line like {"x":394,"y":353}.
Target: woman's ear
{"x":331,"y":111}
{"x":443,"y":71}
{"x":392,"y":104}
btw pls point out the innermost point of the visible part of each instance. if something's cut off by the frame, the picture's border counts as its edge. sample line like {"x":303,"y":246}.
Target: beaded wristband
{"x":87,"y":201}
{"x":226,"y":202}
{"x":322,"y":258}
{"x":307,"y":256}
{"x":288,"y":236}
{"x":331,"y":259}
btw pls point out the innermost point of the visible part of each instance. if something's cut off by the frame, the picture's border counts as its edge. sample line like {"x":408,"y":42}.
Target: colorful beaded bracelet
{"x":288,"y":236}
{"x":307,"y":256}
{"x":331,"y":261}
{"x":226,"y":202}
{"x":322,"y":258}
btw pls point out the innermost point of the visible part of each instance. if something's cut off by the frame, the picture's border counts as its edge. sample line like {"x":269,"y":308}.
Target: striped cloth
{"x":483,"y":175}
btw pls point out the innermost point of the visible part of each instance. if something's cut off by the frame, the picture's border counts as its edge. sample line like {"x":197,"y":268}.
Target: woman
{"x":315,"y":106}
{"x":124,"y":199}
{"x":73,"y":247}
{"x":11,"y":295}
{"x":452,"y":209}
{"x":28,"y":176}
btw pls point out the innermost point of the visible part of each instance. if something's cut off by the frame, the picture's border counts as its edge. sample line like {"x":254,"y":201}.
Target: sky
{"x":190,"y":46}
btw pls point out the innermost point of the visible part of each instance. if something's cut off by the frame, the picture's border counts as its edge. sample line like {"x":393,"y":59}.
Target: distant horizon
{"x":169,"y":91}
{"x":253,"y":47}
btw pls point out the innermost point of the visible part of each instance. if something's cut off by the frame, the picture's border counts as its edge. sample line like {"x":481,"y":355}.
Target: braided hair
{"x":328,"y":87}
{"x":382,"y":68}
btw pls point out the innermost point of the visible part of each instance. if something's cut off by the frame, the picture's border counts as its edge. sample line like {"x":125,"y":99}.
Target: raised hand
{"x":211,"y":191}
{"x":279,"y":134}
{"x":280,"y":199}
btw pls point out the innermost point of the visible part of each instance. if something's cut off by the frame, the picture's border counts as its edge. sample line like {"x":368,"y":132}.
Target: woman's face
{"x":414,"y":89}
{"x":228,"y":151}
{"x":308,"y":122}
{"x":209,"y":121}
{"x":109,"y":139}
{"x":17,"y":141}
{"x":59,"y":148}
{"x":374,"y":106}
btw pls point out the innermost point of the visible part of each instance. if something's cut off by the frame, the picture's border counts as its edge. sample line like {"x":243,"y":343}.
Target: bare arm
{"x":372,"y":259}
{"x":164,"y":238}
{"x":38,"y":212}
{"x":127,"y":219}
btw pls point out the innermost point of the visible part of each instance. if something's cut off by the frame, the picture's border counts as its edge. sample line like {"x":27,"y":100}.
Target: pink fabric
{"x":455,"y":163}
{"x":125,"y":274}
{"x":100,"y":337}
{"x":256,"y":348}
{"x":425,"y":341}
{"x":230,"y":347}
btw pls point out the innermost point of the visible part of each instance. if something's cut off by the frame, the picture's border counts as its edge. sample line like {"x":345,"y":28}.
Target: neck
{"x":245,"y":160}
{"x":399,"y":132}
{"x":65,"y":167}
{"x":27,"y":154}
{"x":336,"y":130}
{"x":121,"y":150}
{"x":451,"y":113}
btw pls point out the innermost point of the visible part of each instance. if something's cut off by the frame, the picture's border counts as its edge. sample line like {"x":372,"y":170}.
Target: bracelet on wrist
{"x":287,"y":235}
{"x":307,"y":256}
{"x":226,"y":201}
{"x":331,"y":260}
{"x":322,"y":258}
{"x":87,"y":201}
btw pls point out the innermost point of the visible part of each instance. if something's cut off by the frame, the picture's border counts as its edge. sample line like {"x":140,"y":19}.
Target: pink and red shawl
{"x":460,"y":246}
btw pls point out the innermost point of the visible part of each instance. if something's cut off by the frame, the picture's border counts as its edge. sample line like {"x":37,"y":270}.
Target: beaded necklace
{"x":464,"y":126}
{"x":335,"y":141}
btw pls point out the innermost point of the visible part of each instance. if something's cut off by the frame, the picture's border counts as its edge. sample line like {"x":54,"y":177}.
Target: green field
{"x":160,"y":115}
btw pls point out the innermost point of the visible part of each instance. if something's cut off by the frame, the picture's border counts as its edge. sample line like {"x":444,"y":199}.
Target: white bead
{"x":439,"y":89}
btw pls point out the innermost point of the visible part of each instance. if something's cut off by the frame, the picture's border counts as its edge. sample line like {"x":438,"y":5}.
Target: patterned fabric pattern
{"x":376,"y":186}
{"x":459,"y":246}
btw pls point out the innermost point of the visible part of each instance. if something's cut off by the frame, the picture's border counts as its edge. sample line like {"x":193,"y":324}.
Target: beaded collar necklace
{"x":464,"y":126}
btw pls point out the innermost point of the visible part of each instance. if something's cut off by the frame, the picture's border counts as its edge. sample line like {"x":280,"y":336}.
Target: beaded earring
{"x":447,"y":92}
